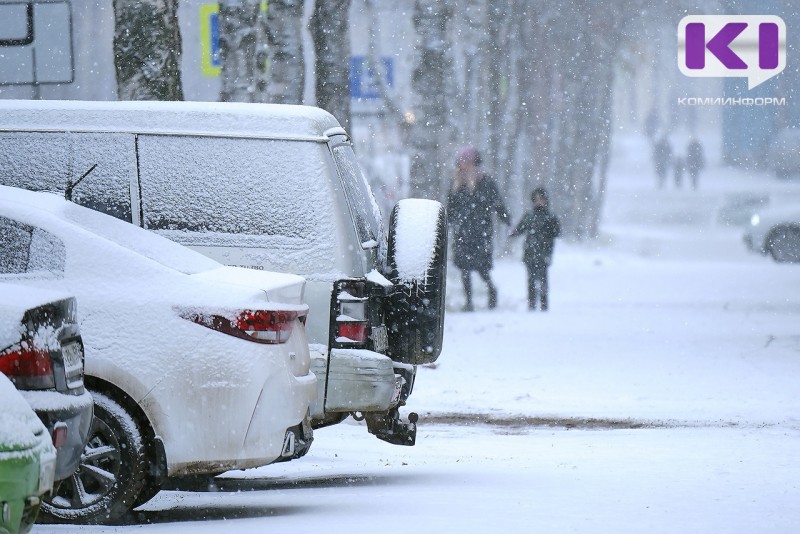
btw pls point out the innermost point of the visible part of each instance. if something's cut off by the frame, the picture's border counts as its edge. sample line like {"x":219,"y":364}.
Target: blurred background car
{"x":775,"y":231}
{"x":27,"y":460}
{"x":194,"y":367}
{"x":784,"y":153}
{"x":41,"y":352}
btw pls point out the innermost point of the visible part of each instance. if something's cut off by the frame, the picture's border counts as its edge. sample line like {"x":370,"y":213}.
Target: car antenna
{"x":71,"y":185}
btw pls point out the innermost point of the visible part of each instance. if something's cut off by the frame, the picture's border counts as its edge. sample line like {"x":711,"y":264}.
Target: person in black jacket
{"x":695,"y":161}
{"x":470,"y":205}
{"x":541,"y":228}
{"x":662,"y":157}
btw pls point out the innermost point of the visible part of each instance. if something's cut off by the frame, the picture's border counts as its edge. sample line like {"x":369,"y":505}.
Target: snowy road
{"x":480,"y":479}
{"x":680,"y":349}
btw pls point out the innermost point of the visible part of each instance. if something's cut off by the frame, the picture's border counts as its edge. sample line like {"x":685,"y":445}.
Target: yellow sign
{"x":211,"y":61}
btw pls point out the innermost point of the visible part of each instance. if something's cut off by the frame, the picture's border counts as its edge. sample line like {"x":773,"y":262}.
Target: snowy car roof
{"x":281,"y":121}
{"x":15,"y":300}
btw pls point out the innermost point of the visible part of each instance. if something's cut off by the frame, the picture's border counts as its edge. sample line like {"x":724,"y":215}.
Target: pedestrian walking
{"x":541,"y":228}
{"x":695,"y":161}
{"x":678,"y":168}
{"x":662,"y":157}
{"x":470,"y":206}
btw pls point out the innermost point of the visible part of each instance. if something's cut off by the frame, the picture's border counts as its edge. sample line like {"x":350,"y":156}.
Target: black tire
{"x":111,"y":474}
{"x":150,"y":489}
{"x":415,"y":311}
{"x":783,"y":244}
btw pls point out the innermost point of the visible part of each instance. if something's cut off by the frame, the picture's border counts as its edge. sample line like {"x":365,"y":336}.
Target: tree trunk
{"x":238,"y":42}
{"x":286,"y":65}
{"x":329,"y":27}
{"x":432,"y":67}
{"x":147,"y":50}
{"x":494,"y":51}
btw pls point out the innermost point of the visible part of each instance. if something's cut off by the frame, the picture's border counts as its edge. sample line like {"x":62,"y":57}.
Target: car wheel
{"x":417,"y":263}
{"x":149,"y":490}
{"x":784,"y":244}
{"x":111,"y":472}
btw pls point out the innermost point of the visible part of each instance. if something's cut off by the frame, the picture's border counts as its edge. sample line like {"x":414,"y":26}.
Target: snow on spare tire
{"x":417,"y":261}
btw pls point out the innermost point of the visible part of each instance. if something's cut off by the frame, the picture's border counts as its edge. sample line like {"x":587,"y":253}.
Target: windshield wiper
{"x":71,"y":185}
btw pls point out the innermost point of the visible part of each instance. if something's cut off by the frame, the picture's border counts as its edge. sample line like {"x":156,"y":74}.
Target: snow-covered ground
{"x":661,"y":393}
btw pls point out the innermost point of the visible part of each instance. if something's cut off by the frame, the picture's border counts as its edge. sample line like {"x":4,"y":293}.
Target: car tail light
{"x":351,"y":326}
{"x":28,"y":366}
{"x":261,"y":326}
{"x":351,"y":332}
{"x":60,"y":433}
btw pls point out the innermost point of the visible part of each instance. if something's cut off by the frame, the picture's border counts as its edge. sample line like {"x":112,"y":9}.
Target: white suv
{"x":272,"y":187}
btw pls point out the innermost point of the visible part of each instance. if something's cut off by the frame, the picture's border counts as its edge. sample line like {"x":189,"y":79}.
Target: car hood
{"x":20,"y":429}
{"x":278,"y":287}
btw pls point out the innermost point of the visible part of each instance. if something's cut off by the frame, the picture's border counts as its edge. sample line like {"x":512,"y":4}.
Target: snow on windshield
{"x":241,"y":192}
{"x":100,"y":166}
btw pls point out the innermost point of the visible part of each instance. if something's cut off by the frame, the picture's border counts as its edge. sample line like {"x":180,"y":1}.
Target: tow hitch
{"x":390,"y":428}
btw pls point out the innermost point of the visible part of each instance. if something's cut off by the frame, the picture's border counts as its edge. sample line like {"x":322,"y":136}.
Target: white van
{"x":263,"y":186}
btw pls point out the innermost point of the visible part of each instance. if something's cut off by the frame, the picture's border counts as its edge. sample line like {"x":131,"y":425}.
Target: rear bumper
{"x":72,"y":412}
{"x":358,"y":381}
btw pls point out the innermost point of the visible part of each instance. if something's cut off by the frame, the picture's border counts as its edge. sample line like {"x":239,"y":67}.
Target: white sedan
{"x":775,"y":231}
{"x":195,"y":368}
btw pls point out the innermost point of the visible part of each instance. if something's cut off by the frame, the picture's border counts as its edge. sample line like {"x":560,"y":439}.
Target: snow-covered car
{"x":775,"y":231}
{"x":27,"y":461}
{"x":194,"y":367}
{"x":273,"y":187}
{"x":41,"y":352}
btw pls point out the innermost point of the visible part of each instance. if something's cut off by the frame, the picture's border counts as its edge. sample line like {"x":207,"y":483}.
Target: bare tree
{"x":286,"y":77}
{"x":147,"y":50}
{"x":330,"y":32}
{"x":432,"y":69}
{"x":239,"y":47}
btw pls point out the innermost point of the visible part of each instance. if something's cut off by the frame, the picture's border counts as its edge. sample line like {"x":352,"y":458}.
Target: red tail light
{"x":60,"y":434}
{"x":261,"y":326}
{"x":351,"y":324}
{"x":28,"y":367}
{"x":349,"y":332}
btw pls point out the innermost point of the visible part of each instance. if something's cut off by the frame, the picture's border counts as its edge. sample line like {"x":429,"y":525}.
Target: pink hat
{"x":467,"y":153}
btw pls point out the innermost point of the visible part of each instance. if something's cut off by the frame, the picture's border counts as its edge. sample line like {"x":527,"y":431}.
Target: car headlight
{"x":754,"y":220}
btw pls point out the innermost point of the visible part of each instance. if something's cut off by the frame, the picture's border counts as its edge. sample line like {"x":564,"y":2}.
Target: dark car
{"x":776,"y":231}
{"x":41,"y":352}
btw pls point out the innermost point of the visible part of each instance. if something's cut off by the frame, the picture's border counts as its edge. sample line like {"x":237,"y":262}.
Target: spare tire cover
{"x":417,"y":263}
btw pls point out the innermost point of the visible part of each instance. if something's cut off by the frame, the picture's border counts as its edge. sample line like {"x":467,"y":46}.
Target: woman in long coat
{"x":470,"y":205}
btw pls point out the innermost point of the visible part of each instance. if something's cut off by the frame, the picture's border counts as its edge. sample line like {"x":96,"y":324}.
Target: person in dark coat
{"x":541,"y":228}
{"x":695,"y":161}
{"x":470,"y":205}
{"x":678,"y":167}
{"x":662,"y":157}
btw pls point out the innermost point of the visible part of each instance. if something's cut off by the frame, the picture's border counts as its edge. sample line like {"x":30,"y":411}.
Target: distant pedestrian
{"x":662,"y":157}
{"x":678,"y":168}
{"x":695,"y":161}
{"x":651,"y":124}
{"x":470,"y":205}
{"x":541,"y":228}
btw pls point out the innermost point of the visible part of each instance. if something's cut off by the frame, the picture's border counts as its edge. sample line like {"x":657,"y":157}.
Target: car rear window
{"x":29,"y":250}
{"x":48,"y":161}
{"x":236,"y":192}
